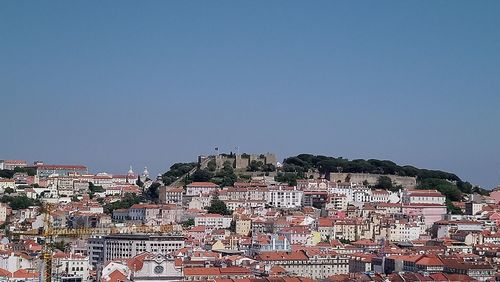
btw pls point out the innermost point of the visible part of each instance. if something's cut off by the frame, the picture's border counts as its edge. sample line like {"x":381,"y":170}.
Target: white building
{"x":12,"y":164}
{"x":380,"y":196}
{"x":13,"y":261}
{"x":285,"y":197}
{"x":73,"y":265}
{"x":353,"y":193}
{"x":130,"y":245}
{"x":213,"y":221}
{"x":313,"y":184}
{"x":361,"y":196}
{"x":403,"y":231}
{"x":7,"y":183}
{"x":157,"y":267}
{"x":199,"y":188}
{"x":4,"y":211}
{"x":103,"y":179}
{"x":423,"y":197}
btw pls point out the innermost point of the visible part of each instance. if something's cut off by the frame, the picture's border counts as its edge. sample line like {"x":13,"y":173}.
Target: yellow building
{"x":243,"y":226}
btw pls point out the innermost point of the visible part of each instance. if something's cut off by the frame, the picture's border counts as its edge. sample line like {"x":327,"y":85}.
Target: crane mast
{"x":48,"y":233}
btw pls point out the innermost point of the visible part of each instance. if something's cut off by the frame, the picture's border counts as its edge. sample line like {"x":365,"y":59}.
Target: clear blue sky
{"x":116,"y":83}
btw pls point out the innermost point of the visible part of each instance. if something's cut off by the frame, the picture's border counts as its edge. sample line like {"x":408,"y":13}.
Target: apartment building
{"x":199,"y":188}
{"x":213,"y":221}
{"x":129,"y":245}
{"x":170,"y":195}
{"x":312,"y":264}
{"x":285,"y":197}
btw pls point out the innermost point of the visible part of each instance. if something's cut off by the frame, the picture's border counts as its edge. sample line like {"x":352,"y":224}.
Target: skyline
{"x":110,"y":86}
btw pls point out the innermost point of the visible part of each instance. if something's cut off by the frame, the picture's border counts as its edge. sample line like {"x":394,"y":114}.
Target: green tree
{"x":177,"y":170}
{"x":232,"y":227}
{"x":61,"y":245}
{"x":6,"y":173}
{"x":211,"y":165}
{"x":93,"y":189}
{"x":384,"y":182}
{"x":465,"y":187}
{"x":325,"y":165}
{"x":447,"y":188}
{"x":139,"y":182}
{"x":481,"y":191}
{"x":226,"y":176}
{"x":255,"y":165}
{"x":19,"y":202}
{"x":268,"y":168}
{"x":452,"y":208}
{"x":31,"y":171}
{"x":9,"y":190}
{"x":128,"y":200}
{"x":153,"y":192}
{"x":288,"y":177}
{"x":188,"y":223}
{"x":202,"y":175}
{"x":218,"y":206}
{"x":344,"y":241}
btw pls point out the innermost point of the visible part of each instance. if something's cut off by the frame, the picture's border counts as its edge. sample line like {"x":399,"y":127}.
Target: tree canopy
{"x":19,"y":202}
{"x":176,"y":170}
{"x":95,"y":189}
{"x":287,"y":177}
{"x":225,"y":176}
{"x":202,"y":175}
{"x":447,"y":188}
{"x":128,"y":200}
{"x":8,"y":173}
{"x":153,"y":192}
{"x":324,"y":165}
{"x":188,"y":223}
{"x":218,"y":206}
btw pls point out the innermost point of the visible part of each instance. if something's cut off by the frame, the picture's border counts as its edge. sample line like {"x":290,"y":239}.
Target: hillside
{"x":298,"y":167}
{"x":447,"y":183}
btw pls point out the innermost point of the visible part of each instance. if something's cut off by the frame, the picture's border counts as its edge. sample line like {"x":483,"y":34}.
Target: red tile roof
{"x":5,"y":273}
{"x":202,"y":271}
{"x":203,"y":184}
{"x":117,"y":276}
{"x":273,"y":256}
{"x":81,"y":167}
{"x":429,"y":260}
{"x":25,"y":273}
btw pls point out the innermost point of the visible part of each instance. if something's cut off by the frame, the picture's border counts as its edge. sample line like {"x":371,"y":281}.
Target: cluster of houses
{"x":316,"y":230}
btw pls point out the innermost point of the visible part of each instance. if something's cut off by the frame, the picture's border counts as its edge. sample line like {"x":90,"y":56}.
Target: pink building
{"x":495,"y":194}
{"x":197,"y":233}
{"x":430,"y":212}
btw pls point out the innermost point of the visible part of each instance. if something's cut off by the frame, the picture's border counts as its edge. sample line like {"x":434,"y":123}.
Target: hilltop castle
{"x":238,"y":161}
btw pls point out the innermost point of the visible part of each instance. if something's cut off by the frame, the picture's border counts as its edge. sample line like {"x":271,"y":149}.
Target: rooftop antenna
{"x":237,"y":150}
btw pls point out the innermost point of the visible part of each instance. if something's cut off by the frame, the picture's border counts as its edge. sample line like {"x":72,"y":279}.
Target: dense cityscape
{"x":249,"y":141}
{"x":235,"y":217}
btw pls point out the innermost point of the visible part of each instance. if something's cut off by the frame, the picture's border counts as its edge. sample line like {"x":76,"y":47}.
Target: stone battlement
{"x":405,"y":181}
{"x":238,"y":161}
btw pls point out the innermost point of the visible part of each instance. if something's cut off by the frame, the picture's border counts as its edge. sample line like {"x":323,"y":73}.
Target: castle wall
{"x":405,"y":181}
{"x":238,"y":162}
{"x":241,"y":163}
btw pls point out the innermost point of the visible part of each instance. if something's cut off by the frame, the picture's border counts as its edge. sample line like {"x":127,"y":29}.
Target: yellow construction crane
{"x":48,"y":233}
